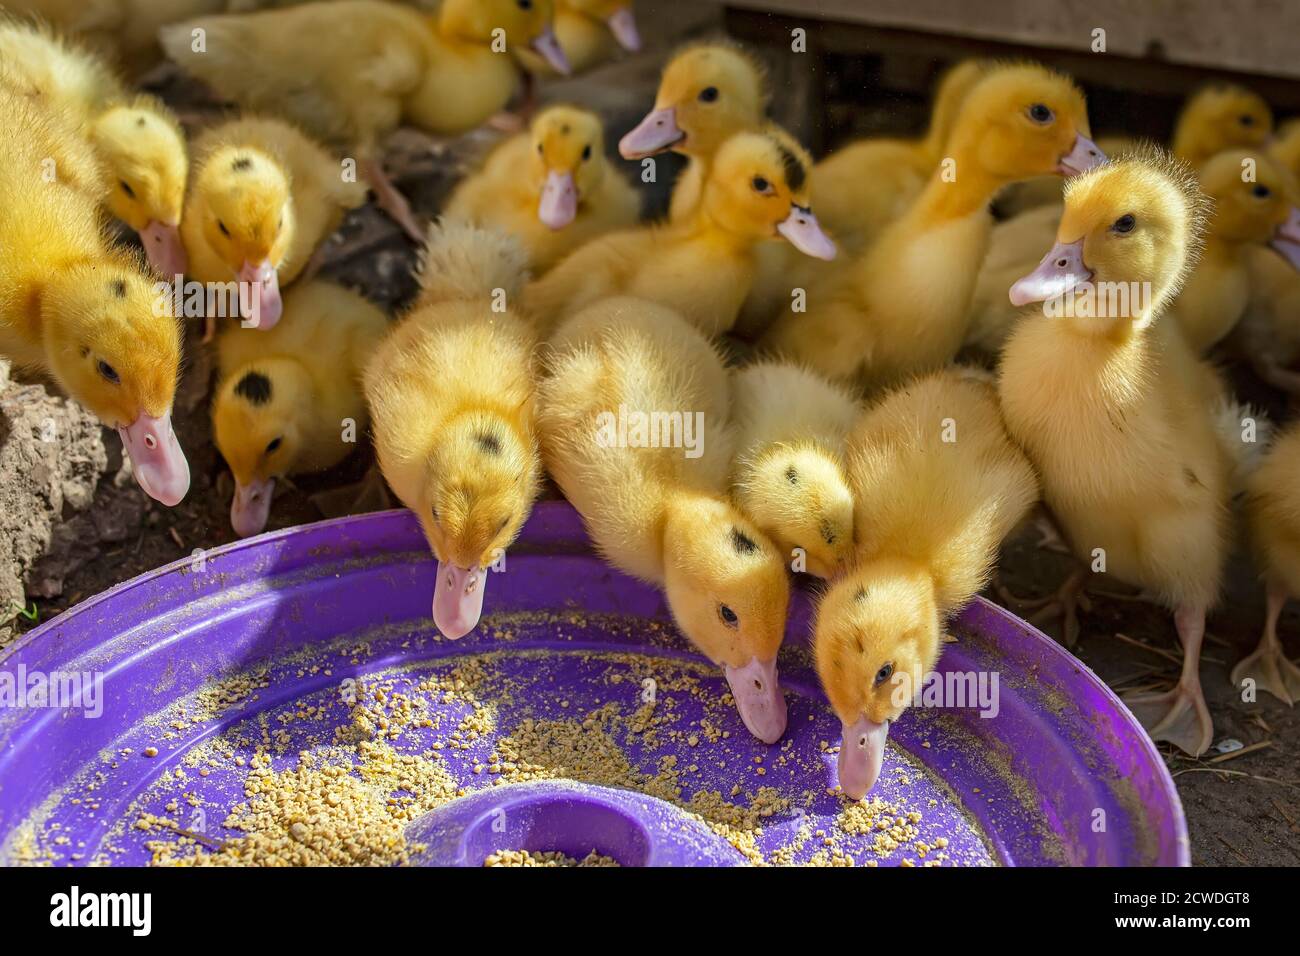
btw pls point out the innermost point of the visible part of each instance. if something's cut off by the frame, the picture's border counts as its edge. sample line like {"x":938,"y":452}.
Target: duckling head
{"x":616,"y":14}
{"x":256,"y":418}
{"x":482,"y":478}
{"x":525,"y":23}
{"x":243,"y":203}
{"x":568,"y":161}
{"x":144,"y":152}
{"x":1219,"y":117}
{"x":1128,"y":236}
{"x":115,"y":347}
{"x":798,"y":495}
{"x":728,"y":591}
{"x":1021,"y":121}
{"x":1254,"y":198}
{"x":876,"y":637}
{"x":758,"y":187}
{"x":708,"y":93}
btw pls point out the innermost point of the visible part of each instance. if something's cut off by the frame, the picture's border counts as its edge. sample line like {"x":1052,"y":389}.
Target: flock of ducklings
{"x":852,"y":448}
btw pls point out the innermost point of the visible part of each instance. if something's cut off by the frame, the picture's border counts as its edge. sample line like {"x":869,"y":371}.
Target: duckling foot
{"x":1049,"y":536}
{"x":1180,"y":715}
{"x":1268,"y":667}
{"x":390,"y":199}
{"x":1064,"y":604}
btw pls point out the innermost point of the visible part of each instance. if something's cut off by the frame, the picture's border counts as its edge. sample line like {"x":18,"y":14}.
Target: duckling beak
{"x":657,"y":132}
{"x":1060,"y":271}
{"x":458,"y":599}
{"x":759,"y":698}
{"x":251,"y":507}
{"x":156,"y":458}
{"x":1290,"y":251}
{"x":261,"y":304}
{"x":1289,"y":231}
{"x":862,"y":752}
{"x":801,"y":228}
{"x":162,"y":245}
{"x":623,"y":25}
{"x":1085,"y":155}
{"x":559,"y":200}
{"x":549,"y":47}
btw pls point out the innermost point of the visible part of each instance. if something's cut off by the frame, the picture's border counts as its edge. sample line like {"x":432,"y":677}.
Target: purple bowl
{"x":1062,"y":774}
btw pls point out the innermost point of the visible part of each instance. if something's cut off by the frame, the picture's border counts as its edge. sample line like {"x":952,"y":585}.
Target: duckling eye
{"x":1041,"y":114}
{"x":709,"y":94}
{"x":884,"y":673}
{"x":1246,"y":119}
{"x":126,"y":188}
{"x":524,"y":4}
{"x":222,"y":226}
{"x":586,"y":152}
{"x":1124,"y":224}
{"x":761,"y":185}
{"x":108,"y":372}
{"x":728,"y":616}
{"x":1262,"y":192}
{"x":540,"y":150}
{"x":274,"y":445}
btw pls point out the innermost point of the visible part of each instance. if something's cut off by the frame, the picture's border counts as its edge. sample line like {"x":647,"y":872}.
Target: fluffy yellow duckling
{"x":289,"y":401}
{"x":757,"y":190}
{"x":1127,"y":428}
{"x":789,"y":473}
{"x":551,"y":187}
{"x":709,"y":92}
{"x":654,"y":500}
{"x":1273,"y":512}
{"x":938,"y":486}
{"x":79,"y":309}
{"x":264,"y":197}
{"x":901,"y":306}
{"x":451,"y":400}
{"x":1218,"y":117}
{"x":587,"y":31}
{"x":350,"y":71}
{"x":136,"y":138}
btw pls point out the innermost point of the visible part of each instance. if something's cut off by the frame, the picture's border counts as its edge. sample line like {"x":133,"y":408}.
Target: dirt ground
{"x":1242,"y":807}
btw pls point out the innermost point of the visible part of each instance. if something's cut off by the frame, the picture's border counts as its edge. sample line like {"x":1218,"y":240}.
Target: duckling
{"x":350,"y":71}
{"x":1273,"y":513}
{"x":551,"y":187}
{"x":1118,"y":414}
{"x":136,"y":138}
{"x":264,"y":197}
{"x":79,"y":309}
{"x":938,"y":486}
{"x":288,"y":400}
{"x":451,"y":400}
{"x":900,"y":307}
{"x":756,"y":191}
{"x":587,"y":31}
{"x":658,"y":509}
{"x":1219,"y":117}
{"x":709,"y":92}
{"x":788,"y":475}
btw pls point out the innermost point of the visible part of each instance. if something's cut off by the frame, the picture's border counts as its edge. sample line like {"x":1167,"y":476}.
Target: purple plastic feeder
{"x":255,"y":649}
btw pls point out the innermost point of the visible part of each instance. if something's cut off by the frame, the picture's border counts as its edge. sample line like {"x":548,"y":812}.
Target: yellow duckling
{"x":551,"y":187}
{"x":789,"y":473}
{"x":938,"y":486}
{"x":702,"y":268}
{"x":77,"y":308}
{"x":350,"y":71}
{"x":451,"y":400}
{"x":709,"y":92}
{"x":587,"y":31}
{"x":654,"y":502}
{"x":901,"y":306}
{"x":289,"y":401}
{"x":264,"y":197}
{"x":1273,"y":512}
{"x":136,"y":138}
{"x":1128,"y":430}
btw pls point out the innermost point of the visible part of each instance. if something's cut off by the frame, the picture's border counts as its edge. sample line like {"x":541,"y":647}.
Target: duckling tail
{"x":465,"y":262}
{"x":1244,"y":433}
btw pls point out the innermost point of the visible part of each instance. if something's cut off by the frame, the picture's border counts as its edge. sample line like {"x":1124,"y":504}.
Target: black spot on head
{"x":255,"y":387}
{"x":791,"y":475}
{"x":828,"y":531}
{"x":242,"y":164}
{"x":795,"y":174}
{"x":118,"y":288}
{"x":488,"y":443}
{"x":742,"y":542}
{"x":140,"y":121}
{"x":861,"y":594}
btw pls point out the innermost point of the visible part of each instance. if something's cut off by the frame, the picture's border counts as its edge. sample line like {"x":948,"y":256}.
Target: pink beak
{"x":759,"y":698}
{"x":1085,"y":155}
{"x":657,"y":132}
{"x":162,"y":245}
{"x":801,"y":228}
{"x":156,"y":458}
{"x":259,"y":295}
{"x":559,"y":202}
{"x":1289,"y":231}
{"x":1290,"y":251}
{"x":862,"y":753}
{"x":549,"y":47}
{"x":1060,"y":271}
{"x":623,"y":25}
{"x":251,"y":507}
{"x":458,"y":599}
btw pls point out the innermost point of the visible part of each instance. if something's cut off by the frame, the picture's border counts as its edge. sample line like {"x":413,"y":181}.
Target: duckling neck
{"x":679,"y":511}
{"x":711,"y":234}
{"x":956,"y":191}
